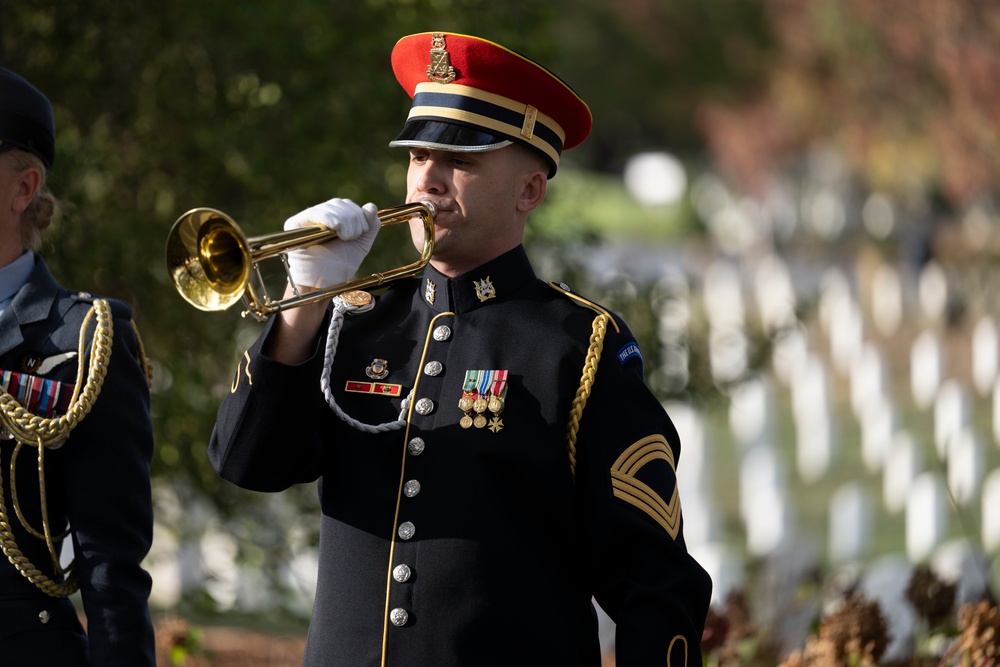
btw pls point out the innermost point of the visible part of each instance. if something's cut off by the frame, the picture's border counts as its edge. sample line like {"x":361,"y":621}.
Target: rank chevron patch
{"x":639,"y":494}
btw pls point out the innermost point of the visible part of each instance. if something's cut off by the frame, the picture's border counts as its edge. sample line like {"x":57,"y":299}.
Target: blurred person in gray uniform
{"x":489,"y":458}
{"x":75,"y":433}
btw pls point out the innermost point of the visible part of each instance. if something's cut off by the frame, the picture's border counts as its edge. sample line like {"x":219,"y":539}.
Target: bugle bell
{"x":212,"y":263}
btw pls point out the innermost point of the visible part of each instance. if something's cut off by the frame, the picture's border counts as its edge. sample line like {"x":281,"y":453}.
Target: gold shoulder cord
{"x":586,"y":383}
{"x":43,"y":433}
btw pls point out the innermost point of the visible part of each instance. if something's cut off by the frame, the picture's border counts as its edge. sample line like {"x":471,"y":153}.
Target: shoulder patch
{"x":629,"y":351}
{"x":564,"y":289}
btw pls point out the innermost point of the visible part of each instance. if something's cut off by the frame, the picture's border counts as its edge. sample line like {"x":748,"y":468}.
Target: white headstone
{"x":725,"y":565}
{"x":991,"y":511}
{"x":702,"y":523}
{"x":218,"y":554}
{"x":933,"y":292}
{"x":926,"y":516}
{"x":952,"y":414}
{"x":751,"y":411}
{"x":985,"y":355}
{"x":163,"y":565}
{"x":723,"y":295}
{"x":903,"y":464}
{"x":926,"y":368}
{"x":728,"y":353}
{"x":835,"y":291}
{"x":887,"y":300}
{"x":815,"y":446}
{"x":790,"y":351}
{"x":850,"y":524}
{"x":846,"y":334}
{"x":693,"y":468}
{"x":810,"y":388}
{"x":775,"y":294}
{"x":885,"y":581}
{"x":768,"y":521}
{"x":868,"y":378}
{"x":761,"y":469}
{"x":966,"y":463}
{"x":996,"y":412}
{"x":878,"y":427}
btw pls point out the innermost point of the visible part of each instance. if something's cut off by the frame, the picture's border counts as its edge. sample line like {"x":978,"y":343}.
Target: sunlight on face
{"x":477,"y":195}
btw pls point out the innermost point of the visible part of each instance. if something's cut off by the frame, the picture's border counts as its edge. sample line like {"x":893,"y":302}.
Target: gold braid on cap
{"x":44,"y":433}
{"x":600,"y":328}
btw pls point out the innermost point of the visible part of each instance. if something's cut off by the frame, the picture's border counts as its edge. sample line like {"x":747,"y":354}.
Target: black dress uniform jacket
{"x":97,"y":482}
{"x":449,"y":545}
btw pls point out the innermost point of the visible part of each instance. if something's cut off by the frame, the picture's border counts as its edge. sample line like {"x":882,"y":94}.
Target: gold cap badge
{"x":440,"y":69}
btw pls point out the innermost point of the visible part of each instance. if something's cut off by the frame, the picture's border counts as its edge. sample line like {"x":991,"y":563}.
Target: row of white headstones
{"x":809,"y":359}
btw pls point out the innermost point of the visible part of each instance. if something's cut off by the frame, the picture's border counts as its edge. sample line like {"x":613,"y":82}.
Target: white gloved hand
{"x":336,"y":261}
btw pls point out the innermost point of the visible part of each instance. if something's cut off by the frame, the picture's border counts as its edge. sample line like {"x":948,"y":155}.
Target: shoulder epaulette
{"x":118,"y":308}
{"x":564,"y":289}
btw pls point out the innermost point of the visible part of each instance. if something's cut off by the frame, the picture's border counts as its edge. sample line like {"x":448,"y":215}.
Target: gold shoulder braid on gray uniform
{"x":43,"y":433}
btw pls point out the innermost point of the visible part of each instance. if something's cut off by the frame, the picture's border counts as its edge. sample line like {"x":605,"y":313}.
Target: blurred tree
{"x":255,"y":108}
{"x":262,"y":108}
{"x":905,"y":89}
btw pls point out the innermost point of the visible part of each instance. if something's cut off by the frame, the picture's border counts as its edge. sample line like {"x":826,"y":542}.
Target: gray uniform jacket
{"x":97,"y":482}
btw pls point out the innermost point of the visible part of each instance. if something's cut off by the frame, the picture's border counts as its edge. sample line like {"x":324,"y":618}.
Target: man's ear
{"x":533,"y":192}
{"x":26,"y":187}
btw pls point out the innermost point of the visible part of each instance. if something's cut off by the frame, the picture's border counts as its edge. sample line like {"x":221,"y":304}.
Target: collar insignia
{"x":440,"y":69}
{"x":430,"y":292}
{"x":484,"y":289}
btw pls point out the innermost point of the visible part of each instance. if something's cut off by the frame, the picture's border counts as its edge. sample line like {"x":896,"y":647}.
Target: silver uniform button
{"x":44,"y":616}
{"x":399,"y":617}
{"x":424,"y":406}
{"x":406,"y":530}
{"x":411,"y":488}
{"x":433,"y":368}
{"x":416,"y":446}
{"x":401,"y":573}
{"x":442,"y":333}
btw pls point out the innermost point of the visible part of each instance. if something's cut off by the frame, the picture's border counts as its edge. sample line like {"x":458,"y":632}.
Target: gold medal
{"x":495,"y":405}
{"x":479,"y":405}
{"x":465,"y":403}
{"x":465,"y":422}
{"x":479,"y":421}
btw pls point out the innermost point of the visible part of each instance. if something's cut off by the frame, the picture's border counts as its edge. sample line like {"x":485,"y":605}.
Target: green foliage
{"x":255,"y":108}
{"x":260,"y":109}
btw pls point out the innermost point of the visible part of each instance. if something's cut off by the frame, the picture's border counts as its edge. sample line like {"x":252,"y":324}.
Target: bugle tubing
{"x":212,"y":263}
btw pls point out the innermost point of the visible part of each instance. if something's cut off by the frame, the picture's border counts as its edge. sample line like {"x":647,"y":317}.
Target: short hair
{"x":38,"y":216}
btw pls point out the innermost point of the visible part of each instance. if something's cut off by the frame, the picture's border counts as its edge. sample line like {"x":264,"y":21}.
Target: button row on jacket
{"x":424,"y":406}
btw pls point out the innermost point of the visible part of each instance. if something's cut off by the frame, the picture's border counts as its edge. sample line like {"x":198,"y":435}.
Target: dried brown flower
{"x":979,"y":643}
{"x":856,"y":630}
{"x":933,"y":599}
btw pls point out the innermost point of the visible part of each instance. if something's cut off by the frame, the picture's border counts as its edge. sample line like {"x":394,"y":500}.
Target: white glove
{"x":336,"y":261}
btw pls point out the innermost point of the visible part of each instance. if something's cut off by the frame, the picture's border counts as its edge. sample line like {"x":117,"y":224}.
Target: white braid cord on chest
{"x":332,"y":339}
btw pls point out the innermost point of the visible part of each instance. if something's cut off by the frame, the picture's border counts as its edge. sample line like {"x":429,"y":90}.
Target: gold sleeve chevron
{"x":629,"y":489}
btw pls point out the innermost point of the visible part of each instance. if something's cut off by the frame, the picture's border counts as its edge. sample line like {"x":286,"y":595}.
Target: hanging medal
{"x":468,"y":397}
{"x":482,"y":399}
{"x":497,"y":392}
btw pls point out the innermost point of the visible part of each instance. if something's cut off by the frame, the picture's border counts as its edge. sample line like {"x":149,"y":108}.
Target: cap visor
{"x":447,"y":137}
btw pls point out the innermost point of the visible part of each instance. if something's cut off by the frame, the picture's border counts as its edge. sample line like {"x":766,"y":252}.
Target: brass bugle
{"x":212,"y":263}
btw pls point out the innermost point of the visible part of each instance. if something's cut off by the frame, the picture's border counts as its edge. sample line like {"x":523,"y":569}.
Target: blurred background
{"x":792,"y":202}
